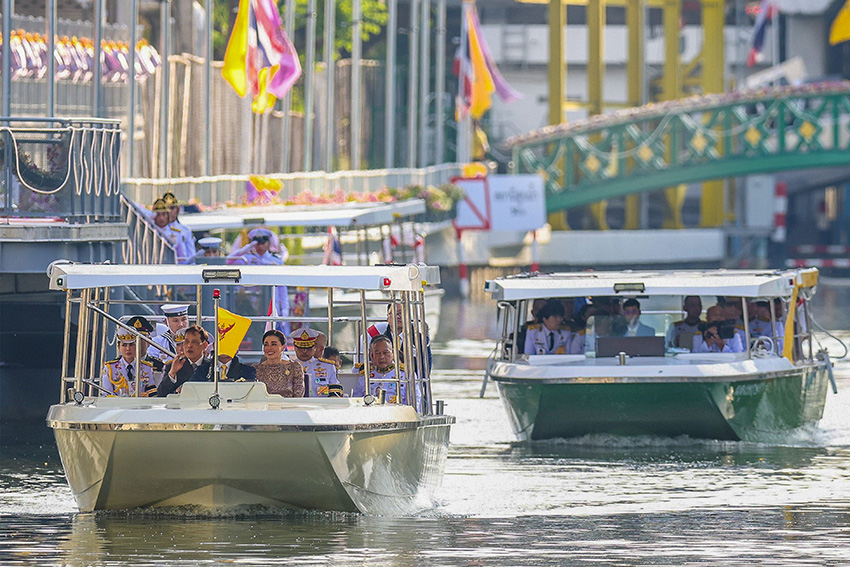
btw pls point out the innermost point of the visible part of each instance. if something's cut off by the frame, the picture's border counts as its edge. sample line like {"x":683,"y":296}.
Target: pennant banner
{"x":231,"y":330}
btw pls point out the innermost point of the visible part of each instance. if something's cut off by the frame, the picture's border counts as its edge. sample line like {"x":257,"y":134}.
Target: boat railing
{"x":100,"y":311}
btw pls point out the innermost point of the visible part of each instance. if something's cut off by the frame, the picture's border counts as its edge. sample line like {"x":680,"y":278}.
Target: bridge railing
{"x":688,"y":140}
{"x":144,"y":244}
{"x":231,"y":188}
{"x":60,"y":169}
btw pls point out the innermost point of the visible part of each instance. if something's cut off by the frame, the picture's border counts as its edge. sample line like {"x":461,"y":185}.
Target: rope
{"x":18,"y":163}
{"x":818,"y":325}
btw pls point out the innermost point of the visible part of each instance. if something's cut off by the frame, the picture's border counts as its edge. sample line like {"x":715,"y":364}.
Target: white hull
{"x":325,"y":454}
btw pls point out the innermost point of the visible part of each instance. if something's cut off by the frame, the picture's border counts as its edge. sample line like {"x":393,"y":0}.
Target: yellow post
{"x":557,"y":83}
{"x":635,"y":10}
{"x":595,"y":75}
{"x":712,"y":205}
{"x":671,"y":90}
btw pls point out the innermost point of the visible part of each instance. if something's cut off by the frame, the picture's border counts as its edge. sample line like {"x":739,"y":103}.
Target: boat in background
{"x":229,"y":444}
{"x":634,"y":385}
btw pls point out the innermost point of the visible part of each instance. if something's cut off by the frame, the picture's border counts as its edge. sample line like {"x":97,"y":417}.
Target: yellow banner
{"x":231,"y":330}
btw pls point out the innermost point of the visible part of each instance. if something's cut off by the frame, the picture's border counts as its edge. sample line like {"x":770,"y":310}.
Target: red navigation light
{"x":387,"y":282}
{"x":216,"y":294}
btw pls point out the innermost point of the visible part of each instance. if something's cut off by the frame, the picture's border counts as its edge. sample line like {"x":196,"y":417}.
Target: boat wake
{"x":241,"y":511}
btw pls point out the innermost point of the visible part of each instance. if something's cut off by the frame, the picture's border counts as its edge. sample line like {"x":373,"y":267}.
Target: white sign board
{"x":517,"y":202}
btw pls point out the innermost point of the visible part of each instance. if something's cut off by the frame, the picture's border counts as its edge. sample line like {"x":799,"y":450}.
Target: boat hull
{"x":389,"y":466}
{"x":748,"y":407}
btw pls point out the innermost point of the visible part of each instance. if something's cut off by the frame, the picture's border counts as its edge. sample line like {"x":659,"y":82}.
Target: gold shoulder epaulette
{"x":325,"y":360}
{"x":146,"y":363}
{"x":534,"y":326}
{"x":401,"y":366}
{"x":113,"y":361}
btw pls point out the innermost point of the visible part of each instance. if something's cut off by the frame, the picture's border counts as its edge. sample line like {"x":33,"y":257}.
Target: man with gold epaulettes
{"x":382,"y":369}
{"x":119,"y":375}
{"x":319,"y":374}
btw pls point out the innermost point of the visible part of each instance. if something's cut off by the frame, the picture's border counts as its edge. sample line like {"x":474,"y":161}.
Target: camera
{"x":726,"y":331}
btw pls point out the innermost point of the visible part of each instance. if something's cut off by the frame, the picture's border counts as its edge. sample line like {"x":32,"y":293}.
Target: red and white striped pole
{"x":780,"y":213}
{"x":462,"y":268}
{"x":535,"y":264}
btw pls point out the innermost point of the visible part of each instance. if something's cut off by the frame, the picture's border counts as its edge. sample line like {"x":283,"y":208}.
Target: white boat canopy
{"x":349,"y":215}
{"x":734,"y":283}
{"x":410,"y":277}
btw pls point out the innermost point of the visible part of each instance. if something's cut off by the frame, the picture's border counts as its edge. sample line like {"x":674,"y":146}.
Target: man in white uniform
{"x":319,"y":373}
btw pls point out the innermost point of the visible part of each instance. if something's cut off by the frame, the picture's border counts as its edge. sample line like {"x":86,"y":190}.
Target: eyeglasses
{"x":261,"y":239}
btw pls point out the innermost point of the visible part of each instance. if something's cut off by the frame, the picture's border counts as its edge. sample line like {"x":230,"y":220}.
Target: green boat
{"x":634,"y":369}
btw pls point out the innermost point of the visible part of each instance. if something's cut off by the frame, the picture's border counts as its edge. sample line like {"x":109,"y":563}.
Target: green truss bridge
{"x":686,"y":141}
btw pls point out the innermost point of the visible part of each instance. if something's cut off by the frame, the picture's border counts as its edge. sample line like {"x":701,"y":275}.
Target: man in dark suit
{"x":195,"y":366}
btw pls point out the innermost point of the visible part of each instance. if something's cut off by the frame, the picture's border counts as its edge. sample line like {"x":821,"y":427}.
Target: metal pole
{"x":330,"y":130}
{"x":412,"y":64}
{"x":51,"y":50}
{"x":98,"y":53}
{"x":464,"y":124}
{"x":7,"y":64}
{"x":286,"y":129}
{"x":208,"y":30}
{"x":389,"y":92}
{"x":424,"y":80}
{"x":131,"y":127}
{"x":356,"y":49}
{"x":215,"y":363}
{"x":164,"y":70}
{"x":440,"y":84}
{"x":310,"y":63}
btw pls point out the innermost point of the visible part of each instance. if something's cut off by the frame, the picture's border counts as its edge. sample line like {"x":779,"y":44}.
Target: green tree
{"x":374,"y":18}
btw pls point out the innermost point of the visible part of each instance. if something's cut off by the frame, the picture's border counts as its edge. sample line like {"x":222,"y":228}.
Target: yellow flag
{"x":235,"y":69}
{"x":482,"y":83}
{"x":840,"y":30}
{"x":231,"y":330}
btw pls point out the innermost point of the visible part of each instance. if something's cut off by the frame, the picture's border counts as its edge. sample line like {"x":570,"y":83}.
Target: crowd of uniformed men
{"x":561,"y":325}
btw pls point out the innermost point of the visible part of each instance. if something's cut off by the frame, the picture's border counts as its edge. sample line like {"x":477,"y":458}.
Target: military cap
{"x":175,"y":309}
{"x":305,"y":338}
{"x":260,"y":234}
{"x":159,"y":206}
{"x":210,"y":242}
{"x":141,"y":324}
{"x":170,"y":199}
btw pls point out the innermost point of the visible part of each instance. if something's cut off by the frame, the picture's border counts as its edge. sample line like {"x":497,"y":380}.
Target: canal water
{"x":597,"y":500}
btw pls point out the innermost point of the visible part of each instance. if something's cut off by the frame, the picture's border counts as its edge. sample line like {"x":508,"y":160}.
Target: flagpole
{"x":412,"y":64}
{"x":356,"y":47}
{"x":164,"y":72}
{"x":98,"y":51}
{"x":464,"y":123}
{"x":424,"y":80}
{"x":440,"y":83}
{"x":310,"y":62}
{"x":330,"y":130}
{"x":51,"y":49}
{"x":131,"y":79}
{"x":389,"y":91}
{"x":774,"y":32}
{"x":286,"y":127}
{"x":208,"y":33}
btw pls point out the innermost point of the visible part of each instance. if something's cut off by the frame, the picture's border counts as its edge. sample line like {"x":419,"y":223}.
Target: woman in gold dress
{"x":284,"y":377}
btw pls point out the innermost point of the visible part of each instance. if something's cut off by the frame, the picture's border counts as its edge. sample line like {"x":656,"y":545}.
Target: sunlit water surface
{"x":597,"y":500}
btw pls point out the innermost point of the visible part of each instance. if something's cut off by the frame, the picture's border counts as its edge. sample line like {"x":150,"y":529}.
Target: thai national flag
{"x":333,"y":249}
{"x":767,"y":12}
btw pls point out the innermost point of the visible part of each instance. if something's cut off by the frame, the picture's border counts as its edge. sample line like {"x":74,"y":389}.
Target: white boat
{"x":644,"y":385}
{"x":224,"y":444}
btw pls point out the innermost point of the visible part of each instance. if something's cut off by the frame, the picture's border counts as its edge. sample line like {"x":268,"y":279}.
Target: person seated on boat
{"x":196,"y":366}
{"x":319,"y":373}
{"x":119,"y":375}
{"x":185,"y":246}
{"x":321,"y":343}
{"x":732,"y":314}
{"x":332,"y":354}
{"x":382,"y":369}
{"x":176,"y":319}
{"x":536,"y":305}
{"x":396,"y":321}
{"x":717,"y":334}
{"x":284,"y":377}
{"x":551,"y":337}
{"x":631,"y":311}
{"x":680,"y":334}
{"x":760,"y":325}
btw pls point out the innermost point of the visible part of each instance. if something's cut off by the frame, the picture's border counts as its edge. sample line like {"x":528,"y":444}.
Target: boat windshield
{"x":643,"y":325}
